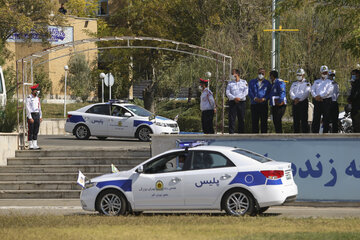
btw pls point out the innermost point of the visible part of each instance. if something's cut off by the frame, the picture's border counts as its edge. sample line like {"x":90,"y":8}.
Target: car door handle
{"x":226,"y":176}
{"x":175,"y":180}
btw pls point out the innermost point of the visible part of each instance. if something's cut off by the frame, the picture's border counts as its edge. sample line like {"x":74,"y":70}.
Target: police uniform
{"x":207,"y":107}
{"x":259,"y":111}
{"x":237,"y":89}
{"x":334,"y":109}
{"x":323,"y":88}
{"x":300,"y":90}
{"x":33,"y":111}
{"x":278,"y":96}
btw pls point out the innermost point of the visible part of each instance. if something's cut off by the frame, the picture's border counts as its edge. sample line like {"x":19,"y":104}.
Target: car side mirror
{"x":127,"y":114}
{"x":140,"y":169}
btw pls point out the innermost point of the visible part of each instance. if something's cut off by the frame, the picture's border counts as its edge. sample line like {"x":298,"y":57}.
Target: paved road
{"x":48,"y":142}
{"x":72,"y":207}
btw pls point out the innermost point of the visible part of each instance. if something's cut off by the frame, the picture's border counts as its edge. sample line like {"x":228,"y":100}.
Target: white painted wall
{"x":8,"y":146}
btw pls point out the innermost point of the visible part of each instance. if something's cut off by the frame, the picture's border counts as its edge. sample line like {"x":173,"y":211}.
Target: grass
{"x":57,"y":110}
{"x":175,"y":227}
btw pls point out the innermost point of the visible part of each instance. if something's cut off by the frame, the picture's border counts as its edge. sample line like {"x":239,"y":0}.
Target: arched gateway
{"x":24,"y":77}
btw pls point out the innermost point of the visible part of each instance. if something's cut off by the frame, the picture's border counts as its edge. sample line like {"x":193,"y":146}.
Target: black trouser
{"x":334,"y":116}
{"x":34,"y":127}
{"x":321,"y":108}
{"x":237,"y":110}
{"x":300,"y":116}
{"x":207,"y":121}
{"x":355,"y":116}
{"x":278,"y":113}
{"x":259,"y":112}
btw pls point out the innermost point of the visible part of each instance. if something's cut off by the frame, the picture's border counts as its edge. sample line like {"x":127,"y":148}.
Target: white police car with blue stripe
{"x":205,"y":177}
{"x":115,"y":119}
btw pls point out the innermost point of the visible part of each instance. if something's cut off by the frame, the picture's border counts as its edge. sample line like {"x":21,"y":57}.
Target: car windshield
{"x":139,"y":110}
{"x":252,"y":155}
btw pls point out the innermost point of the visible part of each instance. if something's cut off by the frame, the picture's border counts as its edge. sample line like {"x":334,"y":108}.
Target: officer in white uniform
{"x":322,"y":91}
{"x":207,"y":107}
{"x":236,"y":91}
{"x":299,"y":93}
{"x":334,"y":110}
{"x":34,"y":116}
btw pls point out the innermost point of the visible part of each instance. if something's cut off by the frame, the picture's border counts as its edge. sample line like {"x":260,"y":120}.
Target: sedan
{"x":198,"y":178}
{"x":114,"y":119}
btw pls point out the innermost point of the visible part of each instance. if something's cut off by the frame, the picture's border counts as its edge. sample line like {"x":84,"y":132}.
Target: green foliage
{"x":42,"y":78}
{"x":8,"y":116}
{"x":82,"y":8}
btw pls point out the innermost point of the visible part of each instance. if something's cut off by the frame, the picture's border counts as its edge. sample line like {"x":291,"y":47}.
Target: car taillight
{"x":69,"y":115}
{"x":273,"y":174}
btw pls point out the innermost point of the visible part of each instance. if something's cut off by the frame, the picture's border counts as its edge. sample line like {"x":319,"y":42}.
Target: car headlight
{"x":160,"y":124}
{"x":89,"y":184}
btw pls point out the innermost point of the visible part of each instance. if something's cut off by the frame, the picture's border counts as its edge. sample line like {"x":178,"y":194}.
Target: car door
{"x":161,"y":184}
{"x":210,"y":172}
{"x":97,"y":119}
{"x":121,"y":122}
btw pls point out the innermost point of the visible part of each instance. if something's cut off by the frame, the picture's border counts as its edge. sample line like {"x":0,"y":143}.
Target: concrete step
{"x":44,"y":177}
{"x":142,"y":152}
{"x":39,"y":185}
{"x":75,"y":160}
{"x":62,"y":168}
{"x":39,"y":194}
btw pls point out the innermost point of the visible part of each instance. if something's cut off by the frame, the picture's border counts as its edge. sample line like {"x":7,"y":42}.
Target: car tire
{"x":102,"y":138}
{"x":238,"y":202}
{"x":111,"y":203}
{"x":143,"y":134}
{"x":82,"y":132}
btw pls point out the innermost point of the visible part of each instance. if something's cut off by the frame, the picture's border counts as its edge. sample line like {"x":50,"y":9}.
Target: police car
{"x":115,"y":119}
{"x":205,"y":177}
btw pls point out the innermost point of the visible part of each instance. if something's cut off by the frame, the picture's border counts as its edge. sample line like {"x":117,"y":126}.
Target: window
{"x":255,"y":156}
{"x":139,"y":110}
{"x":103,"y":8}
{"x":102,"y":109}
{"x":207,"y":159}
{"x":118,"y":111}
{"x":169,"y":163}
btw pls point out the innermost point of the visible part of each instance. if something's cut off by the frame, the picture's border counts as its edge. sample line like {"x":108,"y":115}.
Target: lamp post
{"x":66,"y":68}
{"x":102,"y":76}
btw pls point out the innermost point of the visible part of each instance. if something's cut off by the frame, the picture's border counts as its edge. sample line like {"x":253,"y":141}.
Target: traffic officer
{"x":277,"y":100}
{"x":321,"y":91}
{"x":334,"y":109}
{"x":34,"y":116}
{"x":259,"y":92}
{"x":207,"y":107}
{"x":354,"y":100}
{"x":299,"y":93}
{"x":236,"y":91}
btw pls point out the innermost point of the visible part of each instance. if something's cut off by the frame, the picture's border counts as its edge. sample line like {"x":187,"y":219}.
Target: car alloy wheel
{"x":112,"y":204}
{"x":82,"y":132}
{"x":239,"y":203}
{"x":144,"y":134}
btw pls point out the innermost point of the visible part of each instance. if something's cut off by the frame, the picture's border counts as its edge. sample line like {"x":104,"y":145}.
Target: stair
{"x":52,"y":174}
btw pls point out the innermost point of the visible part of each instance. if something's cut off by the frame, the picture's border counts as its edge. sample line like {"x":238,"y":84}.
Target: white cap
{"x":324,"y":68}
{"x":332,"y":72}
{"x":300,"y":71}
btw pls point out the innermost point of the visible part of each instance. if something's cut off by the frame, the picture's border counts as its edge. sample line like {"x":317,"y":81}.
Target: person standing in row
{"x":334,"y":109}
{"x":277,"y":100}
{"x":236,"y":91}
{"x":321,"y":92}
{"x":299,"y":93}
{"x":354,"y":100}
{"x":207,"y":107}
{"x":34,"y":116}
{"x":259,"y":92}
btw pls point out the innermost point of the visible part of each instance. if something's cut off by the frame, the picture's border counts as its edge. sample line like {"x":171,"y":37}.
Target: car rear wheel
{"x":143,"y":134}
{"x":238,"y":203}
{"x":82,"y":132}
{"x":111,"y":203}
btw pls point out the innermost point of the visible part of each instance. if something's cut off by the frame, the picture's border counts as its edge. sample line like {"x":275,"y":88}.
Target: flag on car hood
{"x":114,"y":169}
{"x":81,"y":179}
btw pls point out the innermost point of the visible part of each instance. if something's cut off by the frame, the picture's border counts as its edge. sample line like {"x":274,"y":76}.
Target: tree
{"x":82,"y":8}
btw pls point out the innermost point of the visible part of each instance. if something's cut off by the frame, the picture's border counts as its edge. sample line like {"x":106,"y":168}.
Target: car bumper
{"x":88,"y":198}
{"x":69,"y":127}
{"x":165,"y":130}
{"x":276,"y":195}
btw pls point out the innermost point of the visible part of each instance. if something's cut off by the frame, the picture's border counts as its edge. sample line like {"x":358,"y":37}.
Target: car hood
{"x":163,"y":119}
{"x":112,"y":176}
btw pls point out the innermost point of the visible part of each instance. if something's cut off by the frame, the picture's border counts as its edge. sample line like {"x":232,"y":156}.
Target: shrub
{"x":8,"y":117}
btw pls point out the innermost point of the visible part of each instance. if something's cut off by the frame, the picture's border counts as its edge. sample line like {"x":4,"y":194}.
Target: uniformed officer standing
{"x":354,"y":100}
{"x":236,"y":91}
{"x":322,"y":90}
{"x":34,"y":116}
{"x":299,"y":93}
{"x":277,"y":100}
{"x":334,"y":109}
{"x":207,"y":107}
{"x":259,"y":93}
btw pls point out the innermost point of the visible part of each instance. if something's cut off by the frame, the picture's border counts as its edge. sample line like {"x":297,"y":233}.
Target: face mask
{"x":260,"y":76}
{"x":299,"y":78}
{"x":232,"y":78}
{"x":353,"y":77}
{"x":38,"y":93}
{"x":333,"y":78}
{"x":200,"y":88}
{"x":324,"y":76}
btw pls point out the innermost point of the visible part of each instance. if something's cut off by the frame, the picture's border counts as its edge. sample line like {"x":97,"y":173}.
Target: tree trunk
{"x":189,"y":95}
{"x":149,"y":93}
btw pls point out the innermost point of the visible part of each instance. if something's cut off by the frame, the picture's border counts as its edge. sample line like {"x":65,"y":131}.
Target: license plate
{"x":288,"y":174}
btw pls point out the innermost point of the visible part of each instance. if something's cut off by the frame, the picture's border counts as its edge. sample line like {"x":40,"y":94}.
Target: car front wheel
{"x":111,"y":203}
{"x":143,"y":134}
{"x":82,"y":132}
{"x":238,"y":203}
